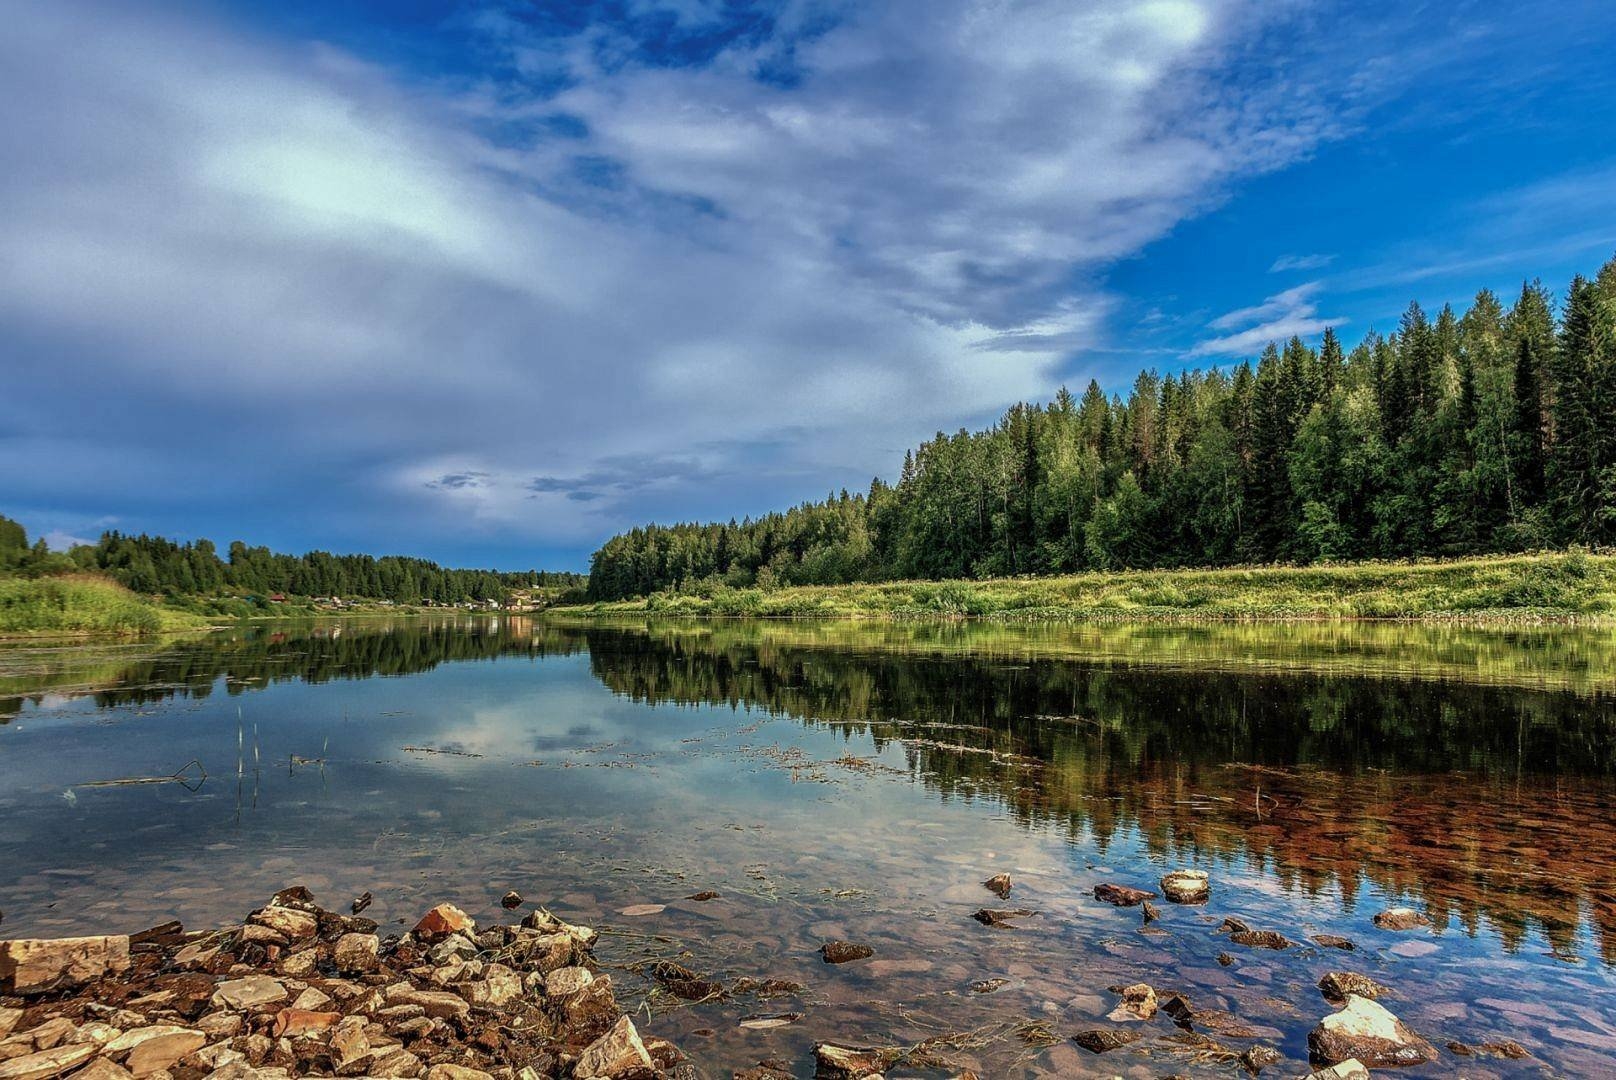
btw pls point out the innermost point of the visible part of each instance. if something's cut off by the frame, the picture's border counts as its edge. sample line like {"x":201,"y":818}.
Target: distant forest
{"x":1492,"y":430}
{"x":154,"y":565}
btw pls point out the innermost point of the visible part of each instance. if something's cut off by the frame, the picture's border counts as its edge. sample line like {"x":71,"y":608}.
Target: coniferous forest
{"x":1487,"y":430}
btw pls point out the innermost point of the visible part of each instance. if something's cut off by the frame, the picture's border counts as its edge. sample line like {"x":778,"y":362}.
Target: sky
{"x":486,"y":281}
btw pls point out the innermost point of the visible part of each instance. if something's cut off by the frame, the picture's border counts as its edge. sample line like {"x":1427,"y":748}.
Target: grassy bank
{"x":83,"y":605}
{"x":1524,"y":588}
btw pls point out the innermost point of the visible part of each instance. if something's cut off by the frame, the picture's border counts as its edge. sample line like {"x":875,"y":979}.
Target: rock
{"x":47,"y":1063}
{"x":294,"y":924}
{"x":1186,"y":886}
{"x":1001,"y":917}
{"x":220,"y":1025}
{"x":102,"y":1069}
{"x":253,"y":934}
{"x":999,"y":885}
{"x":290,"y":1023}
{"x":1257,"y":1058}
{"x":433,"y":1002}
{"x":441,"y":921}
{"x":348,"y":1042}
{"x":836,"y":1062}
{"x":842,"y":952}
{"x":567,"y":980}
{"x":1401,"y":918}
{"x":9,"y":1019}
{"x":1100,"y":1040}
{"x":682,"y":983}
{"x":1337,"y":986}
{"x":1138,"y":1003}
{"x":703,"y":896}
{"x":1151,"y":912}
{"x":457,"y":1072}
{"x":1121,"y":895}
{"x":249,"y":993}
{"x":311,"y":1000}
{"x":360,"y":903}
{"x":1347,"y":1070}
{"x":132,"y":1039}
{"x":453,"y":947}
{"x":52,"y":1032}
{"x":510,"y":902}
{"x":618,"y":1053}
{"x":155,"y":1055}
{"x":216,"y":1056}
{"x":634,"y":911}
{"x":1365,"y":1031}
{"x":989,"y":986}
{"x":94,"y":1032}
{"x":499,"y":986}
{"x":1261,"y":939}
{"x":357,"y":954}
{"x":1333,"y":941}
{"x":38,"y":965}
{"x":395,"y":1063}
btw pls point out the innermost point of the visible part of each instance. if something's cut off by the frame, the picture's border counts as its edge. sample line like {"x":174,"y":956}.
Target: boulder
{"x":618,"y":1053}
{"x":441,"y":921}
{"x":1401,"y":918}
{"x":38,"y":965}
{"x":1186,"y":886}
{"x":357,"y":954}
{"x":1365,"y":1031}
{"x":1121,"y":895}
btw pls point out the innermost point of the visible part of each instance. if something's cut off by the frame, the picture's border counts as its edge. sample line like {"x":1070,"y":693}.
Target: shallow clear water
{"x":848,"y":781}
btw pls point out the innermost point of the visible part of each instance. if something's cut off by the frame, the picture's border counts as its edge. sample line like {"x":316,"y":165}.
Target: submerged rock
{"x":1337,"y":986}
{"x":836,"y":1062}
{"x":1121,"y":895}
{"x":1101,"y":1040}
{"x":1333,"y":941}
{"x":1186,"y":886}
{"x":1261,"y":939}
{"x":1365,"y":1031}
{"x":999,"y":885}
{"x":703,"y":896}
{"x":1001,"y":917}
{"x":1401,"y":918}
{"x":1138,"y":1003}
{"x":1257,"y":1058}
{"x":843,"y":952}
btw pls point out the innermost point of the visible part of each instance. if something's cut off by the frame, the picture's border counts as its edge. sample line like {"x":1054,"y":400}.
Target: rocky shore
{"x":298,"y":990}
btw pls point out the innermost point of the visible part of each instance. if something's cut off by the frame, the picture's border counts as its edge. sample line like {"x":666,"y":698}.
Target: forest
{"x":153,"y":565}
{"x":1487,"y":431}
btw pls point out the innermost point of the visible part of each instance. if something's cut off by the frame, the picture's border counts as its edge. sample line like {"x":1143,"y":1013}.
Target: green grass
{"x":1521,"y":588}
{"x":83,"y":604}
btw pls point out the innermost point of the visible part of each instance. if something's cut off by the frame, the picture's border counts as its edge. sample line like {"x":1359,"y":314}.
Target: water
{"x":852,"y":781}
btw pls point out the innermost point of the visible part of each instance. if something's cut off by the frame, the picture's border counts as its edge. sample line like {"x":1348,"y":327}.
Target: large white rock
{"x":617,"y":1053}
{"x":1366,"y":1031}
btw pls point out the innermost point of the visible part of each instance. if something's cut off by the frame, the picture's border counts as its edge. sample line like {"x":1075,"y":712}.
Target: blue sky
{"x":488,"y":281}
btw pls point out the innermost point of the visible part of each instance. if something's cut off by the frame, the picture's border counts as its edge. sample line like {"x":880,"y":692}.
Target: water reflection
{"x":1326,"y":768}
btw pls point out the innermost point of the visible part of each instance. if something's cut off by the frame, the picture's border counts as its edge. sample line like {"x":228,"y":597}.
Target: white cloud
{"x":281,"y":272}
{"x":1300,"y":262}
{"x":1292,"y":313}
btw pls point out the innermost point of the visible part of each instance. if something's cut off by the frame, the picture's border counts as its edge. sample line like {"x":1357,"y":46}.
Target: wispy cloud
{"x":1292,"y":313}
{"x":1300,"y":262}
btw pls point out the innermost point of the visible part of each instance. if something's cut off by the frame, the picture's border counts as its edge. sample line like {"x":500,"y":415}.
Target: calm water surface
{"x":845,"y":781}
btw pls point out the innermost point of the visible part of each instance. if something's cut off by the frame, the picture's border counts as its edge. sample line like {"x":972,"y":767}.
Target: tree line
{"x":1488,"y":431}
{"x":159,"y":566}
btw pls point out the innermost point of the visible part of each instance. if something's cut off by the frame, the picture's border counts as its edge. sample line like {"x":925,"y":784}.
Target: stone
{"x":94,"y":1032}
{"x":1365,"y":1031}
{"x":441,"y":921}
{"x":135,"y":1037}
{"x":348,"y":1042}
{"x":290,"y":1023}
{"x":1121,"y":895}
{"x":9,"y":1018}
{"x":837,"y":1062}
{"x":1337,"y":986}
{"x":843,"y":952}
{"x":38,"y":965}
{"x":1401,"y":918}
{"x":220,"y":1025}
{"x":683,"y":983}
{"x":1186,"y":886}
{"x":216,"y":1056}
{"x":1150,"y":911}
{"x":155,"y":1055}
{"x":195,"y":955}
{"x":567,"y":980}
{"x":291,"y":923}
{"x":1138,"y":1003}
{"x":52,"y":1032}
{"x":395,"y":1063}
{"x":1101,"y":1040}
{"x":102,"y":1069}
{"x":253,"y":934}
{"x":311,"y":1000}
{"x":1261,"y":939}
{"x":453,"y":947}
{"x":703,"y":896}
{"x":1351,"y":1069}
{"x":47,"y":1063}
{"x":1333,"y":941}
{"x":1257,"y":1058}
{"x":357,"y":954}
{"x":618,"y":1053}
{"x":499,"y":986}
{"x":249,"y":993}
{"x":999,"y":885}
{"x":457,"y":1072}
{"x":1000,"y":917}
{"x":360,"y":903}
{"x":510,"y":902}
{"x":434,"y":1002}
{"x":637,"y":910}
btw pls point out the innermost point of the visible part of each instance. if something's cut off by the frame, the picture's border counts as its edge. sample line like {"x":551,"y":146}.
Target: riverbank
{"x":1569,"y":588}
{"x":84,"y":605}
